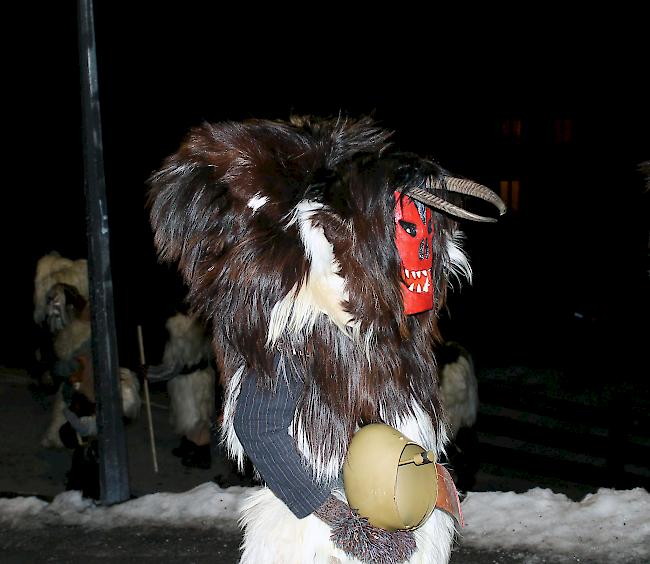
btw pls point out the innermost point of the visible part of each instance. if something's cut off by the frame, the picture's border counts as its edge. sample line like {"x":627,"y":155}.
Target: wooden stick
{"x":152,"y":439}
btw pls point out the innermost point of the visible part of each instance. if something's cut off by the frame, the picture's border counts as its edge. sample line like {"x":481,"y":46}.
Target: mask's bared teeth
{"x":419,"y":290}
{"x":407,"y":273}
{"x":419,"y":273}
{"x":411,"y":287}
{"x":425,"y":272}
{"x":426,"y":286}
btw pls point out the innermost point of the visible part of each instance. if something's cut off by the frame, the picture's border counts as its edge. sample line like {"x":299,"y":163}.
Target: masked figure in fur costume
{"x":61,"y":312}
{"x":459,"y":394}
{"x":59,"y":285}
{"x":190,"y":379}
{"x":321,"y":259}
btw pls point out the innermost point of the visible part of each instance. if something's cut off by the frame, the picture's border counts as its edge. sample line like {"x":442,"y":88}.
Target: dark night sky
{"x":580,"y":239}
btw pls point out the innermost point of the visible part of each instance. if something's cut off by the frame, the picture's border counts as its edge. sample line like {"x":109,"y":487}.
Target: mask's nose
{"x":423,"y":252}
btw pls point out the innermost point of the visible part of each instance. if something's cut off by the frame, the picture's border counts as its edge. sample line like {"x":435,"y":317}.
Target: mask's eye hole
{"x":409,"y":227}
{"x":430,"y":226}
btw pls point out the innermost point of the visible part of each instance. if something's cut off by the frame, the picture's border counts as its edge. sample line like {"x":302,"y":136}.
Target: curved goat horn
{"x":462,"y":186}
{"x":471,"y":188}
{"x":437,"y":202}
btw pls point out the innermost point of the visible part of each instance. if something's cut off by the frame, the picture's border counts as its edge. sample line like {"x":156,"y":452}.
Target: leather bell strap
{"x":448,"y":495}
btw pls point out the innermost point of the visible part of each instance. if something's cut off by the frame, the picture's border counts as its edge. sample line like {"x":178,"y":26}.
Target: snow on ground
{"x":610,"y":524}
{"x":206,"y":505}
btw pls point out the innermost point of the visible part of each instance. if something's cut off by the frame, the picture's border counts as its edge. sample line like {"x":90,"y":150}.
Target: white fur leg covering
{"x":273,"y":535}
{"x":130,"y":392}
{"x":192,"y":400}
{"x":51,"y":437}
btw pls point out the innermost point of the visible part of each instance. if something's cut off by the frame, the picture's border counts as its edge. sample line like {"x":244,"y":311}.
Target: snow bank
{"x":610,"y":525}
{"x":207,"y":505}
{"x":607,"y":525}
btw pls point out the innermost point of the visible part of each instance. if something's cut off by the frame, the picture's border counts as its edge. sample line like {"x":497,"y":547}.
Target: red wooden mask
{"x":413,"y":237}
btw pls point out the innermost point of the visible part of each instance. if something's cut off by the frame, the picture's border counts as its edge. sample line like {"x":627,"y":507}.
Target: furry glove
{"x":359,"y":539}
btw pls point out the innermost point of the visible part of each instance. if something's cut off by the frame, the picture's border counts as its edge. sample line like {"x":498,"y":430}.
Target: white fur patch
{"x":51,"y":437}
{"x":366,"y":340}
{"x":228,"y":435}
{"x":458,"y":262}
{"x":418,"y":427}
{"x":130,"y":393}
{"x":273,"y":535}
{"x":192,"y":400}
{"x":323,"y":290}
{"x":325,"y":469}
{"x":188,"y":342}
{"x":459,"y":390}
{"x":257,"y":201}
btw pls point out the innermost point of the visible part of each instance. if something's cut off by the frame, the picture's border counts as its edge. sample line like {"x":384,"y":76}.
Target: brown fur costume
{"x":284,"y":233}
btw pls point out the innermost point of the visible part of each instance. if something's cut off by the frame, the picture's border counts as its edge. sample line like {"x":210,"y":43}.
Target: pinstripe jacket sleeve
{"x":262,"y":422}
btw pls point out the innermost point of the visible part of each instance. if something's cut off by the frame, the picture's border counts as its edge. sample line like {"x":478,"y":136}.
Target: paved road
{"x":75,"y":545}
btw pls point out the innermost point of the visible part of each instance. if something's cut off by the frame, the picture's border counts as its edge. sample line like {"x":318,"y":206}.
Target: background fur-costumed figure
{"x":60,"y":294}
{"x":195,"y":396}
{"x":190,"y":379}
{"x":60,"y":286}
{"x":61,"y":311}
{"x":459,"y":392}
{"x":285,"y":235}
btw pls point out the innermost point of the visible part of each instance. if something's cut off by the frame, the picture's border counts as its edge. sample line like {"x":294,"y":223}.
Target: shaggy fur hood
{"x":53,"y":269}
{"x":284,"y":233}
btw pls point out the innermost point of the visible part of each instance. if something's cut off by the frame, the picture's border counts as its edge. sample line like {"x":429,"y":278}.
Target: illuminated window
{"x":511,"y":130}
{"x":509,"y":192}
{"x":563,"y":131}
